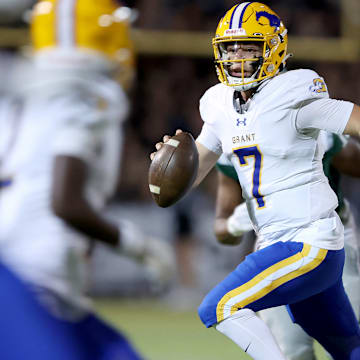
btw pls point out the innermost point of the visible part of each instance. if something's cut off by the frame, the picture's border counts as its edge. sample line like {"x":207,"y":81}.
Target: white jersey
{"x":79,"y":118}
{"x":273,"y":145}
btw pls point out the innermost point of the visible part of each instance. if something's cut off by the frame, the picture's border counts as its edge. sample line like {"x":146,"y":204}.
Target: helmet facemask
{"x":261,"y":63}
{"x":240,"y":71}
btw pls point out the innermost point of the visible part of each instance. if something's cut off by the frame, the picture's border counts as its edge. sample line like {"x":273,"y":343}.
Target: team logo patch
{"x":318,"y":86}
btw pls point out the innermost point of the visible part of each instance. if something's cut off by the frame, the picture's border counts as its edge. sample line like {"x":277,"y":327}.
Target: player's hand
{"x":222,"y":233}
{"x":132,"y":240}
{"x":159,"y":263}
{"x":239,"y":222}
{"x":155,"y":255}
{"x":159,"y":145}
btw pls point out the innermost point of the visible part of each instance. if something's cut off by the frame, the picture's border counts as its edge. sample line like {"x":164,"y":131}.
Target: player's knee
{"x":202,"y":312}
{"x":205,"y":312}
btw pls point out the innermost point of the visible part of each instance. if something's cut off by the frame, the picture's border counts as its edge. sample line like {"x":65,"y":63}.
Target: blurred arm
{"x":347,"y":161}
{"x":228,"y":197}
{"x":353,"y":125}
{"x":69,"y":202}
{"x":70,"y":205}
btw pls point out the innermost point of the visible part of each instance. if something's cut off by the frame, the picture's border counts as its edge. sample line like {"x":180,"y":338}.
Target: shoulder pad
{"x":306,"y":85}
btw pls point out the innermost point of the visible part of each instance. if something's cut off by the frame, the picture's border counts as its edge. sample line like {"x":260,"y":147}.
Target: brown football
{"x":173,"y":169}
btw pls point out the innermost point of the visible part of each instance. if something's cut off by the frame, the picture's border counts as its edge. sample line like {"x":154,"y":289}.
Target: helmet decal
{"x":273,"y":19}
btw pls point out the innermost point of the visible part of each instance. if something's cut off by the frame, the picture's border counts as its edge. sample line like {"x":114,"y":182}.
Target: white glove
{"x":239,"y":222}
{"x":159,"y":262}
{"x":156,"y":255}
{"x":132,"y":240}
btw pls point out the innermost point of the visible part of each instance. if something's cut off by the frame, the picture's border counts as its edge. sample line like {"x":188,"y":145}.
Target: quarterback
{"x":232,"y":225}
{"x":60,"y":150}
{"x":267,"y":122}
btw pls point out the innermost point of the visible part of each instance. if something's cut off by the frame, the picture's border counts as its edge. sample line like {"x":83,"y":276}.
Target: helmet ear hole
{"x":270,"y":68}
{"x":274,"y":41}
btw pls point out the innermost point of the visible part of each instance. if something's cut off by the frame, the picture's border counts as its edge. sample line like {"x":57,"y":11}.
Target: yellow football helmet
{"x":251,"y":22}
{"x":99,"y":27}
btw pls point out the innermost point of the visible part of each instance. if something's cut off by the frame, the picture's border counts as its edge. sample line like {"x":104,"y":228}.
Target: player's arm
{"x":345,"y":160}
{"x":336,"y":116}
{"x":207,"y":160}
{"x":228,"y":197}
{"x":80,"y":135}
{"x":353,"y":125}
{"x":69,"y":203}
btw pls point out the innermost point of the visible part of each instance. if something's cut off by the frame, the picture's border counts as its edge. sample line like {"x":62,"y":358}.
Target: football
{"x":173,"y":169}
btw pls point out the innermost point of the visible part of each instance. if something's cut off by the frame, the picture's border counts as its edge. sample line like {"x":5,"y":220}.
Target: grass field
{"x":160,"y":333}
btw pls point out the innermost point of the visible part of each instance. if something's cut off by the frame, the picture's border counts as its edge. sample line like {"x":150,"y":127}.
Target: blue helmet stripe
{"x":232,"y":16}
{"x":242,"y":13}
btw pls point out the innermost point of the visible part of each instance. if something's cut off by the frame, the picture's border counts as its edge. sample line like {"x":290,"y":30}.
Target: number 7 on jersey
{"x":242,"y":154}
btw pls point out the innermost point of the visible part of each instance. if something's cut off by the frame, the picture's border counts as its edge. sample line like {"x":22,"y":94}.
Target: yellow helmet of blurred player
{"x":90,"y":27}
{"x":251,"y":22}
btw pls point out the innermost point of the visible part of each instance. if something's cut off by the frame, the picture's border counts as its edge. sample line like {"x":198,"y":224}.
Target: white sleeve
{"x":209,"y":139}
{"x":324,"y":114}
{"x":80,"y":132}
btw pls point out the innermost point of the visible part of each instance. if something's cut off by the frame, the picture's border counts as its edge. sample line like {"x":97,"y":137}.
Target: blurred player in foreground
{"x":60,"y":152}
{"x":232,"y":222}
{"x":267,"y":122}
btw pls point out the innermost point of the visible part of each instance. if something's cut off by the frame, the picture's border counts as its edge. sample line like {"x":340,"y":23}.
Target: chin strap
{"x":286,"y":57}
{"x":283,"y":63}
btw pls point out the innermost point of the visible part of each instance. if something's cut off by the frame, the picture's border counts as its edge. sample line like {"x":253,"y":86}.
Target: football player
{"x":232,"y":223}
{"x":60,"y":151}
{"x":267,"y":122}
